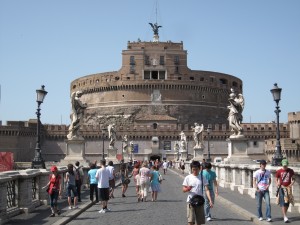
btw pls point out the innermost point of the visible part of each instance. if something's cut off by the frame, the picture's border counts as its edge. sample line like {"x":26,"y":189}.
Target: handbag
{"x":126,"y":181}
{"x":160,"y":178}
{"x":196,"y":201}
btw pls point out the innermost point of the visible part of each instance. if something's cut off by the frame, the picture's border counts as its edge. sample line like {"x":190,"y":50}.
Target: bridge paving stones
{"x":230,"y":208}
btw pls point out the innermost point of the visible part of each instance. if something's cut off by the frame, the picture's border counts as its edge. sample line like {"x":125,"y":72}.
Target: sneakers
{"x":102,"y":211}
{"x":70,"y":207}
{"x":286,"y":220}
{"x":107,"y":210}
{"x":208,"y":219}
{"x":260,"y":219}
{"x":269,"y":220}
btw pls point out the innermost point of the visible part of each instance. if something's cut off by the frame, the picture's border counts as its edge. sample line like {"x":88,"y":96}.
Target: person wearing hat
{"x":285,"y":178}
{"x":261,"y":182}
{"x":54,"y":190}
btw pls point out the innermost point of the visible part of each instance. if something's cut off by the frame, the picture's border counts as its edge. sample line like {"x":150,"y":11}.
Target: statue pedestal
{"x":184,"y":155}
{"x":198,"y":154}
{"x":112,"y":155}
{"x":75,"y":152}
{"x":237,"y":150}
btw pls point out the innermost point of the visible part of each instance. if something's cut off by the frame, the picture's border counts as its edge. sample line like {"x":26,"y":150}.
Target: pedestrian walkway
{"x":231,"y":208}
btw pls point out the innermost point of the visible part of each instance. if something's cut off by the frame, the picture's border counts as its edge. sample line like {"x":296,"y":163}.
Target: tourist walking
{"x":144,"y":182}
{"x":124,"y":179}
{"x":78,"y":179}
{"x":135,"y":172}
{"x":196,"y":184}
{"x":154,"y":181}
{"x":212,"y":186}
{"x":70,"y":180}
{"x":285,"y":179}
{"x":137,"y":180}
{"x":262,"y":182}
{"x":93,"y":182}
{"x":54,"y":190}
{"x":102,"y":176}
{"x":112,"y":181}
{"x":165,"y":166}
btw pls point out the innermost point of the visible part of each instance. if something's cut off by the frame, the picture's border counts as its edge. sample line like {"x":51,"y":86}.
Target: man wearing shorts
{"x":196,"y":184}
{"x":102,"y":176}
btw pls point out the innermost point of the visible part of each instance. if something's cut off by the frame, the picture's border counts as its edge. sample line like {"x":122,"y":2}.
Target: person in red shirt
{"x":54,"y":190}
{"x":285,"y":178}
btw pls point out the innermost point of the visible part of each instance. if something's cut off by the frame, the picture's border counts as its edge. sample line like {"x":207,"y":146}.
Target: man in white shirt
{"x":165,"y":166}
{"x":261,"y":182}
{"x":102,"y":176}
{"x":196,"y":184}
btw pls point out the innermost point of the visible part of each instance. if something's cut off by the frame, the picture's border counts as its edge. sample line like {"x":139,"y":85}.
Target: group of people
{"x":202,"y":183}
{"x":285,"y":178}
{"x":73,"y":180}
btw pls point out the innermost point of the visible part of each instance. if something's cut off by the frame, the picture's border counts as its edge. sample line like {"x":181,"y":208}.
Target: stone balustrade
{"x":21,"y":190}
{"x":239,"y":178}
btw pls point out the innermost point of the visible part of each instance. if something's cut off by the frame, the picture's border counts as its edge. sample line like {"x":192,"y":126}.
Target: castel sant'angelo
{"x":152,"y":98}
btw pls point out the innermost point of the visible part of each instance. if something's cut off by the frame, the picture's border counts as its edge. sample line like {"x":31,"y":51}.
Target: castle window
{"x":132,"y":62}
{"x":147,"y":60}
{"x":154,"y":75}
{"x":176,"y":69}
{"x":234,"y":84}
{"x":255,"y":144}
{"x":203,"y":96}
{"x":74,"y":86}
{"x":147,"y":75}
{"x":179,"y":78}
{"x":211,"y":79}
{"x":154,"y":126}
{"x":162,"y":75}
{"x":132,"y":68}
{"x":201,"y":78}
{"x":117,"y":78}
{"x":192,"y":78}
{"x":176,"y":60}
{"x":223,"y":81}
{"x":162,"y":60}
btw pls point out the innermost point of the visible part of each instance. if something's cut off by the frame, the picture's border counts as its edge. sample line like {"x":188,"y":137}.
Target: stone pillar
{"x":198,"y":154}
{"x":25,"y":197}
{"x":236,"y":177}
{"x":75,"y":152}
{"x":43,"y":181}
{"x":112,"y":155}
{"x":3,"y":197}
{"x":237,"y":151}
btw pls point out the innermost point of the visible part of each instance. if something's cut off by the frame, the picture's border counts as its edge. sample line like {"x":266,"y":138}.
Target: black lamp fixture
{"x":38,"y":162}
{"x":103,"y":135}
{"x":209,"y":129}
{"x":276,"y":92}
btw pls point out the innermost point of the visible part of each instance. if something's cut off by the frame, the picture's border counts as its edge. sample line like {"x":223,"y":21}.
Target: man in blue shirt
{"x":210,"y":176}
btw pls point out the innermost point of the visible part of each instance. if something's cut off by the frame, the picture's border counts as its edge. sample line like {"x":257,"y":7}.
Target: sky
{"x":54,"y":42}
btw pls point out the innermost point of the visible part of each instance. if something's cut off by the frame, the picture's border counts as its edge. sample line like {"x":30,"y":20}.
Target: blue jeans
{"x":206,"y":204}
{"x":53,"y":199}
{"x":259,"y":196}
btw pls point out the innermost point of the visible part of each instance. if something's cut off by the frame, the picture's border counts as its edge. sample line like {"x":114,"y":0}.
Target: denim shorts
{"x":72,"y":188}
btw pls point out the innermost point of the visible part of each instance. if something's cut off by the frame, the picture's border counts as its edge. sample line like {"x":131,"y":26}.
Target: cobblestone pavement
{"x":170,"y":209}
{"x":231,"y":208}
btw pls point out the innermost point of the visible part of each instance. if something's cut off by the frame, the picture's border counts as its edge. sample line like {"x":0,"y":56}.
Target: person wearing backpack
{"x":78,"y":179}
{"x":261,"y":182}
{"x":285,"y":178}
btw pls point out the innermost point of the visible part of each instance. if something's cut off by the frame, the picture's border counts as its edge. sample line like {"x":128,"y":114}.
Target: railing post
{"x":3,"y":197}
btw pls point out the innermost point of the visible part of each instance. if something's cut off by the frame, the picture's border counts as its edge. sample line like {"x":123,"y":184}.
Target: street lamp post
{"x":38,"y":161}
{"x":276,"y":92}
{"x":103,"y":134}
{"x":209,"y":129}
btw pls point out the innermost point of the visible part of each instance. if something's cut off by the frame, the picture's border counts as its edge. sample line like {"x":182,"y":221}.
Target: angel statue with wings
{"x":125,"y":144}
{"x":235,"y":116}
{"x":112,"y":135}
{"x":77,"y":115}
{"x":155,"y":28}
